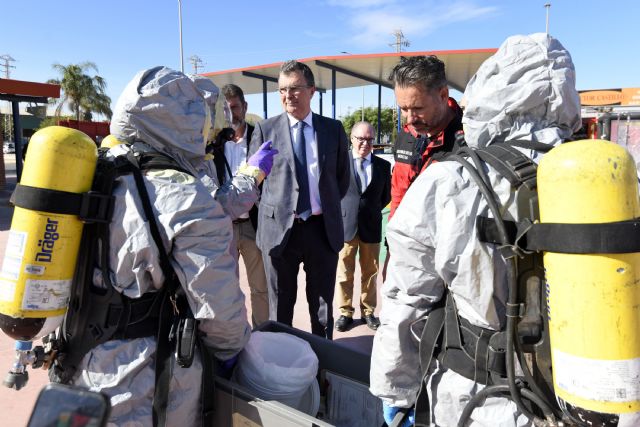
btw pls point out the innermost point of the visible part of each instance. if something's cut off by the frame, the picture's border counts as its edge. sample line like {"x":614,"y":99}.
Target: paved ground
{"x":15,"y":406}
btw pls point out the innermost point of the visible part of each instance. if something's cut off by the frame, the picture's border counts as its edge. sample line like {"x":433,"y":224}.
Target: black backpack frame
{"x":98,"y":314}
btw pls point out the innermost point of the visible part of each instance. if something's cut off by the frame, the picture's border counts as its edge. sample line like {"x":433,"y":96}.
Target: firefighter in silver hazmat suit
{"x":525,"y":91}
{"x":165,"y":111}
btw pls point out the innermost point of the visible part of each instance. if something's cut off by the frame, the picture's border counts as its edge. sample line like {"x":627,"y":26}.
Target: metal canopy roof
{"x":16,"y":91}
{"x":22,"y":91}
{"x":354,"y":70}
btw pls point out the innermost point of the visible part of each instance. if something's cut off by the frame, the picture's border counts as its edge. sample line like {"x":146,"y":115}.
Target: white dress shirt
{"x":313,"y":166}
{"x":236,"y":154}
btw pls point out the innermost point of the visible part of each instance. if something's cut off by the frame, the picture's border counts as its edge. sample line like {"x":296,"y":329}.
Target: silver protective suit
{"x":164,"y":110}
{"x":525,"y":91}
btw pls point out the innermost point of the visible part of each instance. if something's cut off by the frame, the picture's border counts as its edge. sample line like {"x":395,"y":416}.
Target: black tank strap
{"x":518,"y":169}
{"x":607,"y":238}
{"x":91,"y":206}
{"x":157,"y":161}
{"x":531,"y":145}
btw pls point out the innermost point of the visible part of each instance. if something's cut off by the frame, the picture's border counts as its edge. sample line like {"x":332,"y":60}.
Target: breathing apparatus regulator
{"x":572,"y":324}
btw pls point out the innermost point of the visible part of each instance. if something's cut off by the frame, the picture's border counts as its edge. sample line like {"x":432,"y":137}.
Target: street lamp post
{"x":547,"y":6}
{"x":180,"y":28}
{"x":363,"y":103}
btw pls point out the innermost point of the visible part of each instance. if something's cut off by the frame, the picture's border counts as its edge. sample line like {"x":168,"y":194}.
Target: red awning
{"x":22,"y":88}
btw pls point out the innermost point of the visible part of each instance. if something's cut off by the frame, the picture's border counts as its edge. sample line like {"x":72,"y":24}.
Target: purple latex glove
{"x":225,"y":368}
{"x":263,"y":158}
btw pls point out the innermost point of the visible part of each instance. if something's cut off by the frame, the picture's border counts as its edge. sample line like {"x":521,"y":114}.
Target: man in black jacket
{"x":228,"y":156}
{"x":369,"y":192}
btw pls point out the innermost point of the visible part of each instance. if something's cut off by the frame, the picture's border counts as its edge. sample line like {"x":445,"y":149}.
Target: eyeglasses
{"x":362,"y":140}
{"x":294,"y":90}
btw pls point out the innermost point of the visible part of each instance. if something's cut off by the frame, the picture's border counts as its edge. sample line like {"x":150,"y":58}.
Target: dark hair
{"x":419,"y":70}
{"x":233,"y":91}
{"x":292,"y":66}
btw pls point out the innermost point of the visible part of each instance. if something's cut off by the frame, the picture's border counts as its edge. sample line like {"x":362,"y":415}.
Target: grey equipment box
{"x":344,"y":382}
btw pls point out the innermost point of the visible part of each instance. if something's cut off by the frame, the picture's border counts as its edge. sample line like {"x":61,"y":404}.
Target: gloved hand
{"x":389,"y":412}
{"x":263,"y":158}
{"x":225,"y":367}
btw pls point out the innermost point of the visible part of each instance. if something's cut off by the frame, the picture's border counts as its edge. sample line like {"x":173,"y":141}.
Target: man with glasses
{"x":369,"y":192}
{"x":300,"y":219}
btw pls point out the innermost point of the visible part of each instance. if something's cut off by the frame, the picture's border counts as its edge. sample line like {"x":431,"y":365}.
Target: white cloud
{"x":372,"y":25}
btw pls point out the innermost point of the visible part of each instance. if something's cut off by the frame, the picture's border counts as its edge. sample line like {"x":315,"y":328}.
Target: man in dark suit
{"x":369,"y":192}
{"x":300,"y":215}
{"x":231,"y":150}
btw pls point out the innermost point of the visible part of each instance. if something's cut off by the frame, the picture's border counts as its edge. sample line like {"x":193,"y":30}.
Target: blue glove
{"x":389,"y":412}
{"x":225,"y":367}
{"x":263,"y":158}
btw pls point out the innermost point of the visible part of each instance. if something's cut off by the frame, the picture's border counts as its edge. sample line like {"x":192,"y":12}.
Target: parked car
{"x":9,"y":147}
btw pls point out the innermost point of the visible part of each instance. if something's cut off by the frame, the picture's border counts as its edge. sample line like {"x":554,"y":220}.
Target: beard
{"x":236,"y":123}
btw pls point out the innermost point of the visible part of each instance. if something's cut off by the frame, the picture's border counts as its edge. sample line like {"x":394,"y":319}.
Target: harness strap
{"x":606,"y":238}
{"x":510,"y":163}
{"x":427,"y":350}
{"x":471,"y":351}
{"x":207,"y":386}
{"x":139,"y":317}
{"x":90,"y":206}
{"x":481,"y":356}
{"x":99,"y":314}
{"x":168,"y":323}
{"x":163,"y":349}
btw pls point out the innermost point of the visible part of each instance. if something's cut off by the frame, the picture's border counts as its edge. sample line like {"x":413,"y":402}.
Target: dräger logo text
{"x":48,"y":241}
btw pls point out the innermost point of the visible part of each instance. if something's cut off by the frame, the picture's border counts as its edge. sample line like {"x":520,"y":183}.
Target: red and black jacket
{"x":413,"y":153}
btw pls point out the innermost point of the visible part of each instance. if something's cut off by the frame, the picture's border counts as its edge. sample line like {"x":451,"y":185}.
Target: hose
{"x":475,"y":401}
{"x":479,"y":176}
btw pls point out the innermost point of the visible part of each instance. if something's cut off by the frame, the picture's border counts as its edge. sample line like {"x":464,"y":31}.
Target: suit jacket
{"x":219,"y":160}
{"x":362,"y":211}
{"x":280,"y":189}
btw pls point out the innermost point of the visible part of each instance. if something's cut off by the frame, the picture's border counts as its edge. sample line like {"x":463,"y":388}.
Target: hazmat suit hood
{"x":525,"y":91}
{"x":170,"y":112}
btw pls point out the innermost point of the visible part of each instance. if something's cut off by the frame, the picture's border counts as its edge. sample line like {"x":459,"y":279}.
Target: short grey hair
{"x":361,"y":123}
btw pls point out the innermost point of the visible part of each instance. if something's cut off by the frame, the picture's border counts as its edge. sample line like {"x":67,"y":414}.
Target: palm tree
{"x":83,"y":93}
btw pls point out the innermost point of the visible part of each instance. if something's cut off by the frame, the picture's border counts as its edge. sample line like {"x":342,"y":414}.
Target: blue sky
{"x":124,"y":36}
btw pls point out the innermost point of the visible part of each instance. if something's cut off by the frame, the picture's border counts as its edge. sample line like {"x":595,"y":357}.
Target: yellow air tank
{"x":42,"y":247}
{"x":593,"y":299}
